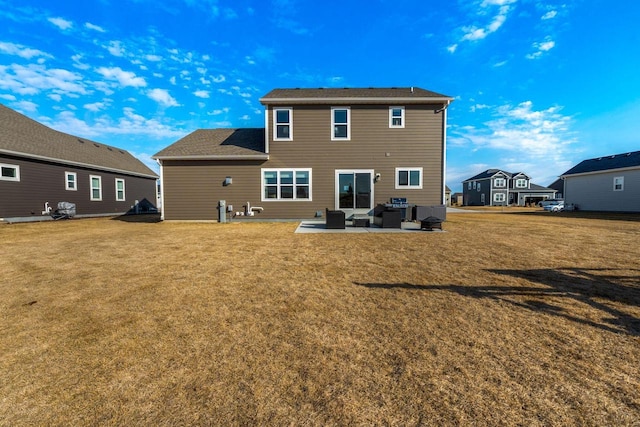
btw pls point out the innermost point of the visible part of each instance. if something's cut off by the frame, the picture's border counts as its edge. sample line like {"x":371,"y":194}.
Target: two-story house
{"x":40,"y":167}
{"x":495,"y":187}
{"x":345,"y":149}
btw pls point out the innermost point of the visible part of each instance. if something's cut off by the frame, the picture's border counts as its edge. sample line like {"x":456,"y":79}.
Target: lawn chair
{"x":66,"y":210}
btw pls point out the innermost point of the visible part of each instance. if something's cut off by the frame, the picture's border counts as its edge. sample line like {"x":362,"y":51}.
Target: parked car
{"x":557,"y":206}
{"x":546,"y":202}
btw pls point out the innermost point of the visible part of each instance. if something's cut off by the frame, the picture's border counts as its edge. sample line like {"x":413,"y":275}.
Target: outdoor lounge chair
{"x":335,"y":219}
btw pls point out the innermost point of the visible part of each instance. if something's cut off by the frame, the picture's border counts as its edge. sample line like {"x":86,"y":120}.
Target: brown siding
{"x":193,"y":188}
{"x":42,"y":181}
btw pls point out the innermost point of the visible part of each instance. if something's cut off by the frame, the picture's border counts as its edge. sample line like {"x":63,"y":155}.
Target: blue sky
{"x":538,"y":85}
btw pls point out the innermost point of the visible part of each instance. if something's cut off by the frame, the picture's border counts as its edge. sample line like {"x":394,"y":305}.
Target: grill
{"x":400,"y":203}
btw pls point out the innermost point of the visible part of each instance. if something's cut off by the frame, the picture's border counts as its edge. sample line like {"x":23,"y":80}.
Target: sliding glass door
{"x":354,"y":190}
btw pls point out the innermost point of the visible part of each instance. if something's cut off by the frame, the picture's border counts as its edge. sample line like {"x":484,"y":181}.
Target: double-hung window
{"x":396,"y":117}
{"x":618,"y":183}
{"x":340,"y":123}
{"x":120,"y":196}
{"x":521,"y":183}
{"x":71,"y":181}
{"x":286,"y":184}
{"x":9,"y":172}
{"x":408,"y":178}
{"x":283,"y":124}
{"x":498,"y":197}
{"x":499,"y":182}
{"x":96,"y":187}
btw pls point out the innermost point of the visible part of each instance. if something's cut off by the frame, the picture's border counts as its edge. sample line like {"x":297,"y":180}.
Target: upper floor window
{"x":96,"y":187}
{"x":618,"y":183}
{"x":286,"y":184}
{"x":283,"y":124}
{"x":474,"y":184}
{"x":9,"y":172}
{"x":396,"y":117}
{"x":120,"y":197}
{"x":478,"y":187}
{"x":71,"y":181}
{"x":340,"y":123}
{"x":409,"y":178}
{"x":469,"y":185}
{"x":499,"y":182}
{"x":521,"y":183}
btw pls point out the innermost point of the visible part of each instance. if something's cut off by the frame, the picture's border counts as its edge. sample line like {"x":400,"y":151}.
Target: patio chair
{"x":335,"y":219}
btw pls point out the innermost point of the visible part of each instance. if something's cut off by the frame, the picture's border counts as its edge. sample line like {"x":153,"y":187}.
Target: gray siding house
{"x":495,"y":187}
{"x":346,"y":149}
{"x":609,"y":183}
{"x":40,"y":167}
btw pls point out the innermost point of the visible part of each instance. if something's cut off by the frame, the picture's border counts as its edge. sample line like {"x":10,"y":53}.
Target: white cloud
{"x":35,"y":78}
{"x":125,"y":78}
{"x":21,"y":51}
{"x":549,"y":15}
{"x":8,"y":97}
{"x":26,"y":106}
{"x":153,"y":58}
{"x":55,"y":96}
{"x":201,"y":93}
{"x":115,"y":48}
{"x":61,"y":23}
{"x":452,"y":48}
{"x":129,"y":124}
{"x":540,"y":134}
{"x":163,"y":97}
{"x":78,"y":64}
{"x":219,"y":79}
{"x":218,"y":112}
{"x":541,"y":47}
{"x":95,"y":107}
{"x":94,"y":27}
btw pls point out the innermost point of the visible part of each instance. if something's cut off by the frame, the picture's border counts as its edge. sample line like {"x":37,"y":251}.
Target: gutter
{"x":72,"y":163}
{"x":215,"y":157}
{"x":356,"y":100}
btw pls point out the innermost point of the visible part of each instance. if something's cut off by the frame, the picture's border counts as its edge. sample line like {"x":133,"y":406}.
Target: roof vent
{"x":80,"y":141}
{"x":109,"y":148}
{"x":96,"y":145}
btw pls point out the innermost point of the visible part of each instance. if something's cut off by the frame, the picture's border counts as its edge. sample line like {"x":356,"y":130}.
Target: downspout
{"x":162,"y":198}
{"x":444,"y":152}
{"x":266,"y":129}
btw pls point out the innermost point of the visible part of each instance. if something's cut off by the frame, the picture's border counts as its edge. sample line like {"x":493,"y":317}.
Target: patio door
{"x":354,"y":191}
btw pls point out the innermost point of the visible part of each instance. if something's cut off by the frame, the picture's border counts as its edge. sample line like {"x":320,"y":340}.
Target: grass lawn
{"x":524,"y":318}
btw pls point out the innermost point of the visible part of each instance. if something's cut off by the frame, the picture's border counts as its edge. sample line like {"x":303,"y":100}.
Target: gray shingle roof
{"x":218,"y":143}
{"x":354,"y":95}
{"x":598,"y":164}
{"x":22,"y":136}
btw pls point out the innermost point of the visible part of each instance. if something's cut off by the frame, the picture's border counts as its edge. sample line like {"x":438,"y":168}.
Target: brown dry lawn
{"x":504,"y":319}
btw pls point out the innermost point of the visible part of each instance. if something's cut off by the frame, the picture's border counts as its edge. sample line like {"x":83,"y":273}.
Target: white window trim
{"x":333,"y":124}
{"x":391,"y":117}
{"x":409,"y":186}
{"x":523,"y":180}
{"x":501,"y":180}
{"x":10,"y":178}
{"x":275,"y":123}
{"x":278,"y":198}
{"x":621,"y":178}
{"x":124,"y":194}
{"x":66,"y":181}
{"x":499,"y":197}
{"x":93,"y":199}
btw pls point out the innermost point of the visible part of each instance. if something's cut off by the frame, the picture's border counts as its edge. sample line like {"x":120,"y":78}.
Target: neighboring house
{"x":447,"y":195}
{"x":558,"y":185}
{"x":495,"y":187}
{"x":457,"y":199}
{"x":346,"y":149}
{"x":40,"y":165}
{"x":610,"y":183}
